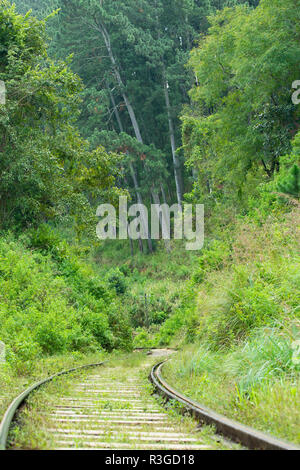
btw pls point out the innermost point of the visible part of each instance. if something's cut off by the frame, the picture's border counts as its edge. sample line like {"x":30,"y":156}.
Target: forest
{"x":164,"y":102}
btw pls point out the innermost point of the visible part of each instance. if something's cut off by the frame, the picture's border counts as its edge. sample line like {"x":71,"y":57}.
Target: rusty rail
{"x":249,"y":437}
{"x":20,"y":399}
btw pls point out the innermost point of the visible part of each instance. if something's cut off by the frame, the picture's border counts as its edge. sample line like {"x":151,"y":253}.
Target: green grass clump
{"x":239,"y":327}
{"x":249,"y":281}
{"x":256,"y":383}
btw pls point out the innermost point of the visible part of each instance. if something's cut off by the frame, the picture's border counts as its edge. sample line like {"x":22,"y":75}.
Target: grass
{"x":255,"y":383}
{"x":12,"y":384}
{"x":237,"y":326}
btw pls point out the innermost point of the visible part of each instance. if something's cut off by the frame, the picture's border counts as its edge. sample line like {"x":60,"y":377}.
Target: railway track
{"x":108,"y":406}
{"x":248,"y":437}
{"x":110,"y":410}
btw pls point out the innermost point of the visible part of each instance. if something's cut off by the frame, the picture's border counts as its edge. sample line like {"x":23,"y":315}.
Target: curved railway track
{"x":235,"y":431}
{"x":109,"y":408}
{"x":15,"y":405}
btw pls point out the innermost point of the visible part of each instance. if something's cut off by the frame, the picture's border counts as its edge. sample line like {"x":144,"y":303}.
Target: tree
{"x":117,"y":76}
{"x":47,"y":169}
{"x":131,"y":56}
{"x":242,"y":119}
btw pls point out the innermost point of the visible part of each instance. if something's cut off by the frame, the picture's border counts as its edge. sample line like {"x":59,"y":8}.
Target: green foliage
{"x":142,"y":339}
{"x":271,"y":355}
{"x":241,"y":306}
{"x":170,"y":328}
{"x":48,"y":241}
{"x":52,"y":305}
{"x":149,"y":58}
{"x":149,"y":309}
{"x":276,"y":197}
{"x":243,"y":284}
{"x":181,"y":324}
{"x":213,"y":258}
{"x":253,"y":297}
{"x":148,"y":161}
{"x":241,"y":121}
{"x":47,"y":170}
{"x":250,"y":304}
{"x":291,"y":183}
{"x":256,"y":382}
{"x":116,"y":279}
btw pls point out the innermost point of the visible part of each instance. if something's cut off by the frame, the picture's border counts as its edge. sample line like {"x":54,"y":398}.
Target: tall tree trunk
{"x":161,"y":219}
{"x":140,"y":201}
{"x":115,"y":109}
{"x":134,"y":122}
{"x":176,"y":162}
{"x":133,"y":175}
{"x":163,"y":194}
{"x":141,"y":247}
{"x":129,"y":107}
{"x":131,"y":242}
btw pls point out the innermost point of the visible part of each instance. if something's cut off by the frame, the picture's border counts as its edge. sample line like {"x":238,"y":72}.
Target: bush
{"x":97,"y":324}
{"x":51,"y":338}
{"x":169,"y":329}
{"x":50,"y":306}
{"x":48,"y":241}
{"x":214,"y":257}
{"x":151,"y":306}
{"x":142,"y":339}
{"x":116,"y":279}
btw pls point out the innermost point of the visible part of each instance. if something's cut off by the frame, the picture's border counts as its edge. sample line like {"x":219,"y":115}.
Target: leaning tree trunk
{"x":163,"y":193}
{"x":134,"y":177}
{"x":134,"y":122}
{"x":176,"y":162}
{"x":131,"y":242}
{"x":115,"y":109}
{"x":129,"y":107}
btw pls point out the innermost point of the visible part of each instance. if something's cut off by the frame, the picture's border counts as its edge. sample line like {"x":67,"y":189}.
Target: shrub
{"x":214,"y":257}
{"x":49,"y":306}
{"x":51,"y":338}
{"x":48,"y":241}
{"x":142,"y":339}
{"x":97,"y":324}
{"x":290,"y":183}
{"x":169,"y":329}
{"x":116,"y":279}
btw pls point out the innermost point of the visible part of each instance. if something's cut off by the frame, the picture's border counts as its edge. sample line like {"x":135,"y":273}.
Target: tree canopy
{"x":242,"y":119}
{"x":47,"y":170}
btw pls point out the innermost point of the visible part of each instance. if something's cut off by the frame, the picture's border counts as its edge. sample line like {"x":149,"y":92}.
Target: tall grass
{"x":256,"y":382}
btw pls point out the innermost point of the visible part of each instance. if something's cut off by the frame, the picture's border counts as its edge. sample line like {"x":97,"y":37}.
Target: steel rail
{"x":20,"y":399}
{"x":245,"y":435}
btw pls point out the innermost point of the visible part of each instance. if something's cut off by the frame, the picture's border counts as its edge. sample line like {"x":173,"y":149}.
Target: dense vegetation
{"x":178,"y":101}
{"x":51,"y":301}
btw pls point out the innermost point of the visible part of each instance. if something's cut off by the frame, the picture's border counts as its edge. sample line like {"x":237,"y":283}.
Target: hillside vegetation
{"x":176,"y":101}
